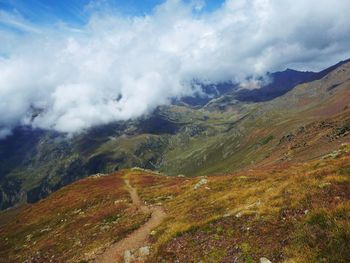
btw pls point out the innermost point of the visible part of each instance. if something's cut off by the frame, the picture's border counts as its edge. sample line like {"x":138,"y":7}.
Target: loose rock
{"x":264,"y":260}
{"x":201,"y":182}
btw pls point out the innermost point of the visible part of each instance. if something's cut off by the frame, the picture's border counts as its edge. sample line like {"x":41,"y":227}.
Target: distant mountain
{"x":281,"y":83}
{"x":209,"y":92}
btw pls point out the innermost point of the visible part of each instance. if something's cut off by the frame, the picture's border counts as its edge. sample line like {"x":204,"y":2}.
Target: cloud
{"x":117,"y":67}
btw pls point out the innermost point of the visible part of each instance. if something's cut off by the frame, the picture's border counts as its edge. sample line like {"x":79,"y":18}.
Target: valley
{"x":223,"y":136}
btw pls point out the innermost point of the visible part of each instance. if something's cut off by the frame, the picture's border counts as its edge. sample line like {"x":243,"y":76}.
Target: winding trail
{"x":138,"y":238}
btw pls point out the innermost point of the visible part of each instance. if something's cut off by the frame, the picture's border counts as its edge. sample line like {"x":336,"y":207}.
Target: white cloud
{"x":119,"y":67}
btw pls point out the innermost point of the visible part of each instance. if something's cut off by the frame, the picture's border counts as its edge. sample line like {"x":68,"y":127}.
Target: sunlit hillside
{"x":286,"y":213}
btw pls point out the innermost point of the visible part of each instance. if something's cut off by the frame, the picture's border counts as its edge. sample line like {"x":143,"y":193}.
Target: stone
{"x":201,"y":182}
{"x":227,"y":214}
{"x":45,"y":230}
{"x":239,"y":214}
{"x":128,"y":257}
{"x":144,"y":251}
{"x":264,"y":260}
{"x":136,"y":255}
{"x":120,"y":201}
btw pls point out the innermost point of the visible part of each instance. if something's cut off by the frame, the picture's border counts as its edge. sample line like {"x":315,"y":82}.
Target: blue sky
{"x":76,"y":12}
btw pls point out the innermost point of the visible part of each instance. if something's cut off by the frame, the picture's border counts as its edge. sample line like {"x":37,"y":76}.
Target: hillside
{"x":223,"y":136}
{"x":285,"y":213}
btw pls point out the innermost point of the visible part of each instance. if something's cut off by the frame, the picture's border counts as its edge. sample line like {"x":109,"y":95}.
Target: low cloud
{"x":117,"y":67}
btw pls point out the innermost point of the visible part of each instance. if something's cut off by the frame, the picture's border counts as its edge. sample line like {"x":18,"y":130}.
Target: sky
{"x":90,"y":62}
{"x":78,"y":12}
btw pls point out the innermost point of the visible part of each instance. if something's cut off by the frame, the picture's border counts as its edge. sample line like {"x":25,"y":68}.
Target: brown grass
{"x":273,"y":203}
{"x":72,"y":224}
{"x":285,"y":212}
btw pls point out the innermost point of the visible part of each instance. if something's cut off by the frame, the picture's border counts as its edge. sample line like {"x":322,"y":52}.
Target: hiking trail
{"x":138,"y":238}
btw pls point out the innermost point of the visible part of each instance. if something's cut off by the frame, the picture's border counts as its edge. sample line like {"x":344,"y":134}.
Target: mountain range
{"x":232,"y":131}
{"x":265,"y":170}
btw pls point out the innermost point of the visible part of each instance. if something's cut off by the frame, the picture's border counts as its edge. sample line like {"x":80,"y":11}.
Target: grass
{"x":267,"y":139}
{"x":112,"y":218}
{"x":258,"y":212}
{"x":72,"y":224}
{"x":325,"y":236}
{"x":344,"y":170}
{"x":295,"y":213}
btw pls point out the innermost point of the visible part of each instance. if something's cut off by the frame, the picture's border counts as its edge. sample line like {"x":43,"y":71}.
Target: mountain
{"x":223,"y":136}
{"x":208,"y":93}
{"x":279,"y":84}
{"x":282,"y":82}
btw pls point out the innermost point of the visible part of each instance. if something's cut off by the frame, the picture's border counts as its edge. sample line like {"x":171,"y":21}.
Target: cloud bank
{"x":117,"y":67}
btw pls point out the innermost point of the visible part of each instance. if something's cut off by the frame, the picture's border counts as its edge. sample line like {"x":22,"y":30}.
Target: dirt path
{"x":138,"y":238}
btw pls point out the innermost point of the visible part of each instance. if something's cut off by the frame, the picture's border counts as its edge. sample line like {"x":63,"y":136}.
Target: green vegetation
{"x":112,"y":218}
{"x":325,"y":236}
{"x":345,"y":170}
{"x":267,"y":139}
